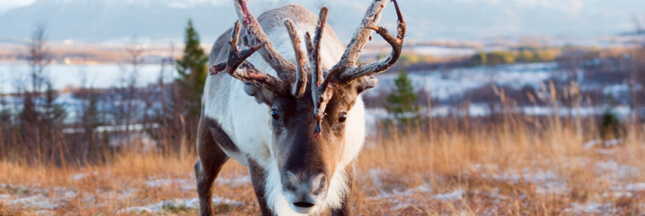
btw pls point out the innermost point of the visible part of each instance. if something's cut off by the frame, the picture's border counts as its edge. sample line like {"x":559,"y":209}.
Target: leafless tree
{"x":126,"y":93}
{"x":88,"y":118}
{"x":39,"y":58}
{"x":165,"y":112}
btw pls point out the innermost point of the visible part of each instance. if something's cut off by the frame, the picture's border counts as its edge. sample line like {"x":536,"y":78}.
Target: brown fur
{"x":298,"y":148}
{"x":220,"y":137}
{"x":258,"y":177}
{"x":346,"y":208}
{"x":210,"y":162}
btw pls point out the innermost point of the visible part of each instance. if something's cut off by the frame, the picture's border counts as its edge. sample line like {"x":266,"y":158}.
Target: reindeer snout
{"x":303,"y":190}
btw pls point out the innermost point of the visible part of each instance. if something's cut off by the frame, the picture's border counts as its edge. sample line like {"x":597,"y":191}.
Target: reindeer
{"x":293,"y":116}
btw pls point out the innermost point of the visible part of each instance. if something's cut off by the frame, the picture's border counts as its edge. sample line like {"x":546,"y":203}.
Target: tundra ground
{"x":494,"y":172}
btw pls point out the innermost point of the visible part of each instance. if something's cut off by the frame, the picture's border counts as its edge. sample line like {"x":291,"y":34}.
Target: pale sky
{"x":572,"y":6}
{"x":9,"y":4}
{"x":428,"y":19}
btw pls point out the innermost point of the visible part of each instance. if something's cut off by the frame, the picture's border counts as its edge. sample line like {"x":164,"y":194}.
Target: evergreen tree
{"x":402,"y":100}
{"x":5,"y":113}
{"x":54,"y":113}
{"x":91,"y":115}
{"x":480,"y":58}
{"x":192,"y":71}
{"x":93,"y":149}
{"x":610,"y":125}
{"x":5,"y":125}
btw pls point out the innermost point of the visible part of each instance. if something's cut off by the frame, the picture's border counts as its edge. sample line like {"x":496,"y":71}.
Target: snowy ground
{"x":378,"y":185}
{"x":47,"y":200}
{"x":445,"y":84}
{"x":545,"y":183}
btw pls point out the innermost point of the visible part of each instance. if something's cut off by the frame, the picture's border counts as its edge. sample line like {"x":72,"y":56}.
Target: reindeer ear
{"x":261,"y":95}
{"x":365,"y":83}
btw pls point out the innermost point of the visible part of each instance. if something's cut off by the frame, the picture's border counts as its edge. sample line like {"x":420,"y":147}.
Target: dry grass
{"x":499,"y":172}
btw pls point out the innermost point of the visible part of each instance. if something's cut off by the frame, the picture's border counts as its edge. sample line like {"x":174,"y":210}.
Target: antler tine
{"x":317,"y":43}
{"x":300,"y":85}
{"x":237,"y":58}
{"x":362,"y":35}
{"x":320,"y":98}
{"x":282,"y":66}
{"x":310,"y":46}
{"x":384,"y":63}
{"x":345,"y":67}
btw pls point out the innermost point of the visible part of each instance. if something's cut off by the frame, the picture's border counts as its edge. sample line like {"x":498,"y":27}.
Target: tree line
{"x":101,"y":123}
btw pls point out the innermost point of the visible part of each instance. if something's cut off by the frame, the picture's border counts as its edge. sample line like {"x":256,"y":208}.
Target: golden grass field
{"x":506,"y":170}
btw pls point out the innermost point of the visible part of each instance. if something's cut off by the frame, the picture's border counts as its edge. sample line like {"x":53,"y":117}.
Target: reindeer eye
{"x":342,"y":117}
{"x":275,"y":114}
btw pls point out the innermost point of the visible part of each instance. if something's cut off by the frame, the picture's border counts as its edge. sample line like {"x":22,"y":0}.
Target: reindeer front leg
{"x":346,"y":208}
{"x":259,"y":179}
{"x":209,"y":164}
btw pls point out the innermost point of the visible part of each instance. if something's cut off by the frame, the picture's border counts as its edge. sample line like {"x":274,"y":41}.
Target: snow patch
{"x":615,"y":170}
{"x":375,"y":176}
{"x":552,"y":188}
{"x":528,"y":175}
{"x":234,"y":182}
{"x":630,"y":187}
{"x":190,"y":184}
{"x":188,"y":203}
{"x":608,"y":143}
{"x":161,"y":182}
{"x":80,"y":176}
{"x":36,"y":201}
{"x":546,"y":182}
{"x":424,"y":188}
{"x":455,"y":195}
{"x":38,"y":198}
{"x":591,"y":143}
{"x":589,"y":208}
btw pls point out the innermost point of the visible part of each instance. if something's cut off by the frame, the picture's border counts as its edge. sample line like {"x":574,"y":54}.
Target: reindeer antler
{"x":282,"y":66}
{"x":320,"y":98}
{"x":300,"y":84}
{"x":385,"y":63}
{"x":344,"y":72}
{"x":257,"y":40}
{"x":237,"y":58}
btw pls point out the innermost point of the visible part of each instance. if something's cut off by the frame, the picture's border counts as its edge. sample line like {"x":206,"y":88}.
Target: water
{"x":14,"y":76}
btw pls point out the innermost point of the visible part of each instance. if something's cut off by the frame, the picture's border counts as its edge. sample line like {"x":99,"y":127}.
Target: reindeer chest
{"x":238,"y":124}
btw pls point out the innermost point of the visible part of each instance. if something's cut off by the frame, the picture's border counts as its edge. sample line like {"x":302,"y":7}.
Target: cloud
{"x":6,"y":5}
{"x":569,"y":7}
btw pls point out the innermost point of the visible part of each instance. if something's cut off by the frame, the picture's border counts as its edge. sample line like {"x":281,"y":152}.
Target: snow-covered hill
{"x":162,"y":20}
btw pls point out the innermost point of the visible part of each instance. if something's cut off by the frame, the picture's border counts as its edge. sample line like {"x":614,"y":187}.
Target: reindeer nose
{"x":303,"y":183}
{"x":304,"y":189}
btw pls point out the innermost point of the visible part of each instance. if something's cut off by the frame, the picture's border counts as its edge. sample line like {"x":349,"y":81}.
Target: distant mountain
{"x":158,"y":20}
{"x":164,"y":20}
{"x":97,"y":21}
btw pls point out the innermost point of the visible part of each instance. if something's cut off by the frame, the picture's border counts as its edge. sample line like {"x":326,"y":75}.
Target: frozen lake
{"x":15,"y":75}
{"x":442,"y":84}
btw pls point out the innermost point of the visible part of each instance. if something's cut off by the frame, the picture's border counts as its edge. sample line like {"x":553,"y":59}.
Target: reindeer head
{"x":308,"y":123}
